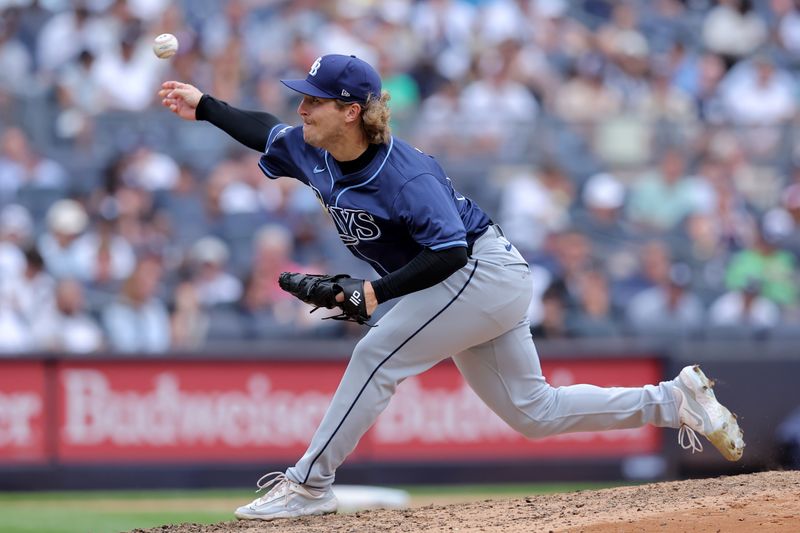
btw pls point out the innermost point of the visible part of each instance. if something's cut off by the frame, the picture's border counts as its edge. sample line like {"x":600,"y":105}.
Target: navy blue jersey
{"x":386,"y":213}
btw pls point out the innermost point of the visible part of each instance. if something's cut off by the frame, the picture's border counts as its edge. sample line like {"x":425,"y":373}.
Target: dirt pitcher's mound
{"x":768,"y":501}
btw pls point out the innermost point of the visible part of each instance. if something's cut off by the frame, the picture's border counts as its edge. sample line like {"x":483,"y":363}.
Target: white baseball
{"x":165,"y":45}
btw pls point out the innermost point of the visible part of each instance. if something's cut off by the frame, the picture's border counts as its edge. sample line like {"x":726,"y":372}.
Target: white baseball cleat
{"x":287,"y":499}
{"x":700,"y":412}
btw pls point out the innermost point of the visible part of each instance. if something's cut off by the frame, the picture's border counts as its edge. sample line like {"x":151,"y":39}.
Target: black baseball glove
{"x":321,"y":290}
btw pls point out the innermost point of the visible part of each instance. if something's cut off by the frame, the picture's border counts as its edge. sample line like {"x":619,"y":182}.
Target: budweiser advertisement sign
{"x":268,"y":411}
{"x":22,"y":412}
{"x":191,"y":411}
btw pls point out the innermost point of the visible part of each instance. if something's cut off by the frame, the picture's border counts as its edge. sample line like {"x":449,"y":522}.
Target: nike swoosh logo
{"x":317,"y":170}
{"x":508,"y":247}
{"x":685,"y":409}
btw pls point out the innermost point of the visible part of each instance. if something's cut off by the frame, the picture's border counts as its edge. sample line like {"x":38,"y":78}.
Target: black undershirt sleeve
{"x":426,"y":270}
{"x":251,"y":128}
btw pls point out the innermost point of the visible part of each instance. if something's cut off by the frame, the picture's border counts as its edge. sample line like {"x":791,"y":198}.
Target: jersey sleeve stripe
{"x":271,"y":138}
{"x":451,"y":244}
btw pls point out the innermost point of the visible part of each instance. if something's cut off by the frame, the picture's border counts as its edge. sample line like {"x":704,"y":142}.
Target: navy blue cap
{"x":341,"y":77}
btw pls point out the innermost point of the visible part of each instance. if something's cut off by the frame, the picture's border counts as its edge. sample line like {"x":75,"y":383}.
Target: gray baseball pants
{"x":476,"y":316}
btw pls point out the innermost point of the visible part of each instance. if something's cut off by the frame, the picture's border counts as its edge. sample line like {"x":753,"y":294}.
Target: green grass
{"x":88,"y":520}
{"x":112,"y":511}
{"x":115,"y":511}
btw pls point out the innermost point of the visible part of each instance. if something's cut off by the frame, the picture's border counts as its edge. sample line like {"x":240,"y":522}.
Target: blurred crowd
{"x":643,"y":155}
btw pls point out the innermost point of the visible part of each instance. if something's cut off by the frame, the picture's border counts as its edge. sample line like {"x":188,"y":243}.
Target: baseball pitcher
{"x":463,"y":287}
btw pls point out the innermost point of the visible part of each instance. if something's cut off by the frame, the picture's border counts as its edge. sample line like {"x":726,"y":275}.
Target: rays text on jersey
{"x":354,"y":225}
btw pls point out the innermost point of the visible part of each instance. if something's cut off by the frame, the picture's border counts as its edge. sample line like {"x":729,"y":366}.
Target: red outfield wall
{"x":23,"y":417}
{"x":145,"y":411}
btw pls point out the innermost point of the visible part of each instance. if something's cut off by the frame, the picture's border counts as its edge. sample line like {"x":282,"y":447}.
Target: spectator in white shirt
{"x":16,"y":62}
{"x":133,"y":63}
{"x":745,"y":307}
{"x":67,"y":327}
{"x":445,"y":29}
{"x":106,"y":257}
{"x":139,"y":321}
{"x":529,"y":211}
{"x":498,"y":105}
{"x":757,"y":93}
{"x":667,"y":308}
{"x":22,"y":166}
{"x":66,"y":221}
{"x":16,"y":227}
{"x":734,"y":29}
{"x":65,"y":34}
{"x":35,"y":290}
{"x":214,"y":285}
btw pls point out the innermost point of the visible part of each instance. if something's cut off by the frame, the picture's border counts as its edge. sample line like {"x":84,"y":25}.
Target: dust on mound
{"x":768,"y":501}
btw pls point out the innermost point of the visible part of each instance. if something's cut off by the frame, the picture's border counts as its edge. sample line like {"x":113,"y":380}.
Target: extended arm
{"x":250,"y":128}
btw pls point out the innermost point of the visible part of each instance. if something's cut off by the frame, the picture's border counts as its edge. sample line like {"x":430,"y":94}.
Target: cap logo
{"x":315,"y":67}
{"x":345,"y":93}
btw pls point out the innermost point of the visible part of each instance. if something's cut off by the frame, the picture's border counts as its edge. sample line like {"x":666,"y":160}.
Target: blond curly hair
{"x":375,"y":115}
